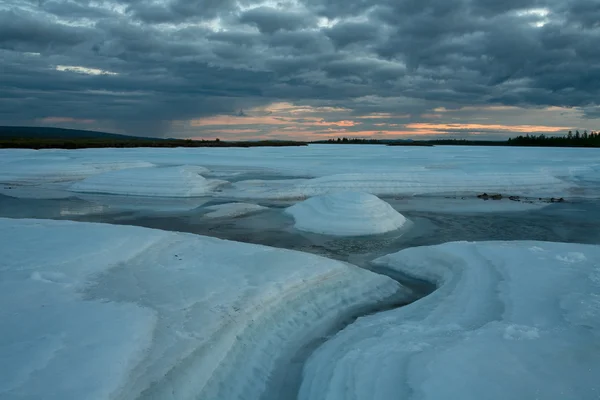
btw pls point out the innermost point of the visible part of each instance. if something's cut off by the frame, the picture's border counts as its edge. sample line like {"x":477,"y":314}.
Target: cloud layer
{"x":187,"y":67}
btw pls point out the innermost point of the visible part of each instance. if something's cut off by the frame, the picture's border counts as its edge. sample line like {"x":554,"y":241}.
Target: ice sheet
{"x":119,"y":203}
{"x":470,"y":205}
{"x":30,"y":171}
{"x":41,"y":167}
{"x":111,"y":165}
{"x":181,"y":181}
{"x":232,"y":210}
{"x":438,"y":182}
{"x":509,"y":320}
{"x":346,"y":214}
{"x":273,"y":189}
{"x":94,"y":311}
{"x":380,"y":170}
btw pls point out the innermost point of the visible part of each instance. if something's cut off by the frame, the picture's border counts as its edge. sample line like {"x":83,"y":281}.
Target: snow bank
{"x":117,"y":312}
{"x":346,"y":214}
{"x":182,"y":181}
{"x":232,"y":210}
{"x":510,"y":320}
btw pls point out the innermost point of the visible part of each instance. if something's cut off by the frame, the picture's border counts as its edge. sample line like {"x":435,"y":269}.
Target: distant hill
{"x":31,"y":132}
{"x":26,"y":137}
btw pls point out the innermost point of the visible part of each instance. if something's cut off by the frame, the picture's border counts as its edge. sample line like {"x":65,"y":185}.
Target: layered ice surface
{"x":509,"y":320}
{"x":179,"y":181}
{"x":94,"y":311}
{"x":346,"y":214}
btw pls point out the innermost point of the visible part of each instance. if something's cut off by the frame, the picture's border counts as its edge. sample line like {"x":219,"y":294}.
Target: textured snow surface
{"x":346,"y":214}
{"x":94,"y":311}
{"x":510,"y":320}
{"x":181,"y":181}
{"x":379,"y":170}
{"x":232,"y":210}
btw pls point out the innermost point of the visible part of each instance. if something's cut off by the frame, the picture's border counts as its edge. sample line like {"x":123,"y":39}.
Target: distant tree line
{"x":576,"y":139}
{"x":82,"y":143}
{"x":346,"y":140}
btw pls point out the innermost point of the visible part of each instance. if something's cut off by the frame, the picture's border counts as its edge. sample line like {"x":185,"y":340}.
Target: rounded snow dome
{"x":181,"y":181}
{"x":346,"y":214}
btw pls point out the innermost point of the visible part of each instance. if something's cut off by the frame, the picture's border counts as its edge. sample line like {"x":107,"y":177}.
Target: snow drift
{"x":346,"y":214}
{"x":509,"y":320}
{"x":118,"y":312}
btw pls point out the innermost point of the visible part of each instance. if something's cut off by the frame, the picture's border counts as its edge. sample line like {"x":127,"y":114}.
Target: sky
{"x":302,"y":69}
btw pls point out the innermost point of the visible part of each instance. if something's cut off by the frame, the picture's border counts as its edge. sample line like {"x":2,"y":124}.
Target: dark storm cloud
{"x":154,"y":62}
{"x":22,"y":31}
{"x":584,"y":12}
{"x":270,"y":20}
{"x":346,"y":33}
{"x":177,"y":10}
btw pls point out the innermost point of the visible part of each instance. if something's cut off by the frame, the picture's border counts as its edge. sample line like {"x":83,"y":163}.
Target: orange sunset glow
{"x":288,"y":121}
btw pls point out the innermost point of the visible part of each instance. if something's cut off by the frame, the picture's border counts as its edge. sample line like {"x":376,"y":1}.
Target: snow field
{"x":379,"y":170}
{"x":94,"y":311}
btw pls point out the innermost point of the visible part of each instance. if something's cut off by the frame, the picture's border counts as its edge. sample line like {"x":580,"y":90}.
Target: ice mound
{"x":233,"y":210}
{"x":118,"y":312}
{"x":509,"y":320}
{"x":346,"y":214}
{"x":182,"y":181}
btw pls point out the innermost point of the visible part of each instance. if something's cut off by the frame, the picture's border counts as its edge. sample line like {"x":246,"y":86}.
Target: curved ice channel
{"x":509,"y":320}
{"x":109,"y":312}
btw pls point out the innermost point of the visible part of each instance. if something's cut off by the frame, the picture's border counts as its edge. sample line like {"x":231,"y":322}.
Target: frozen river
{"x":432,"y":221}
{"x":548,"y":211}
